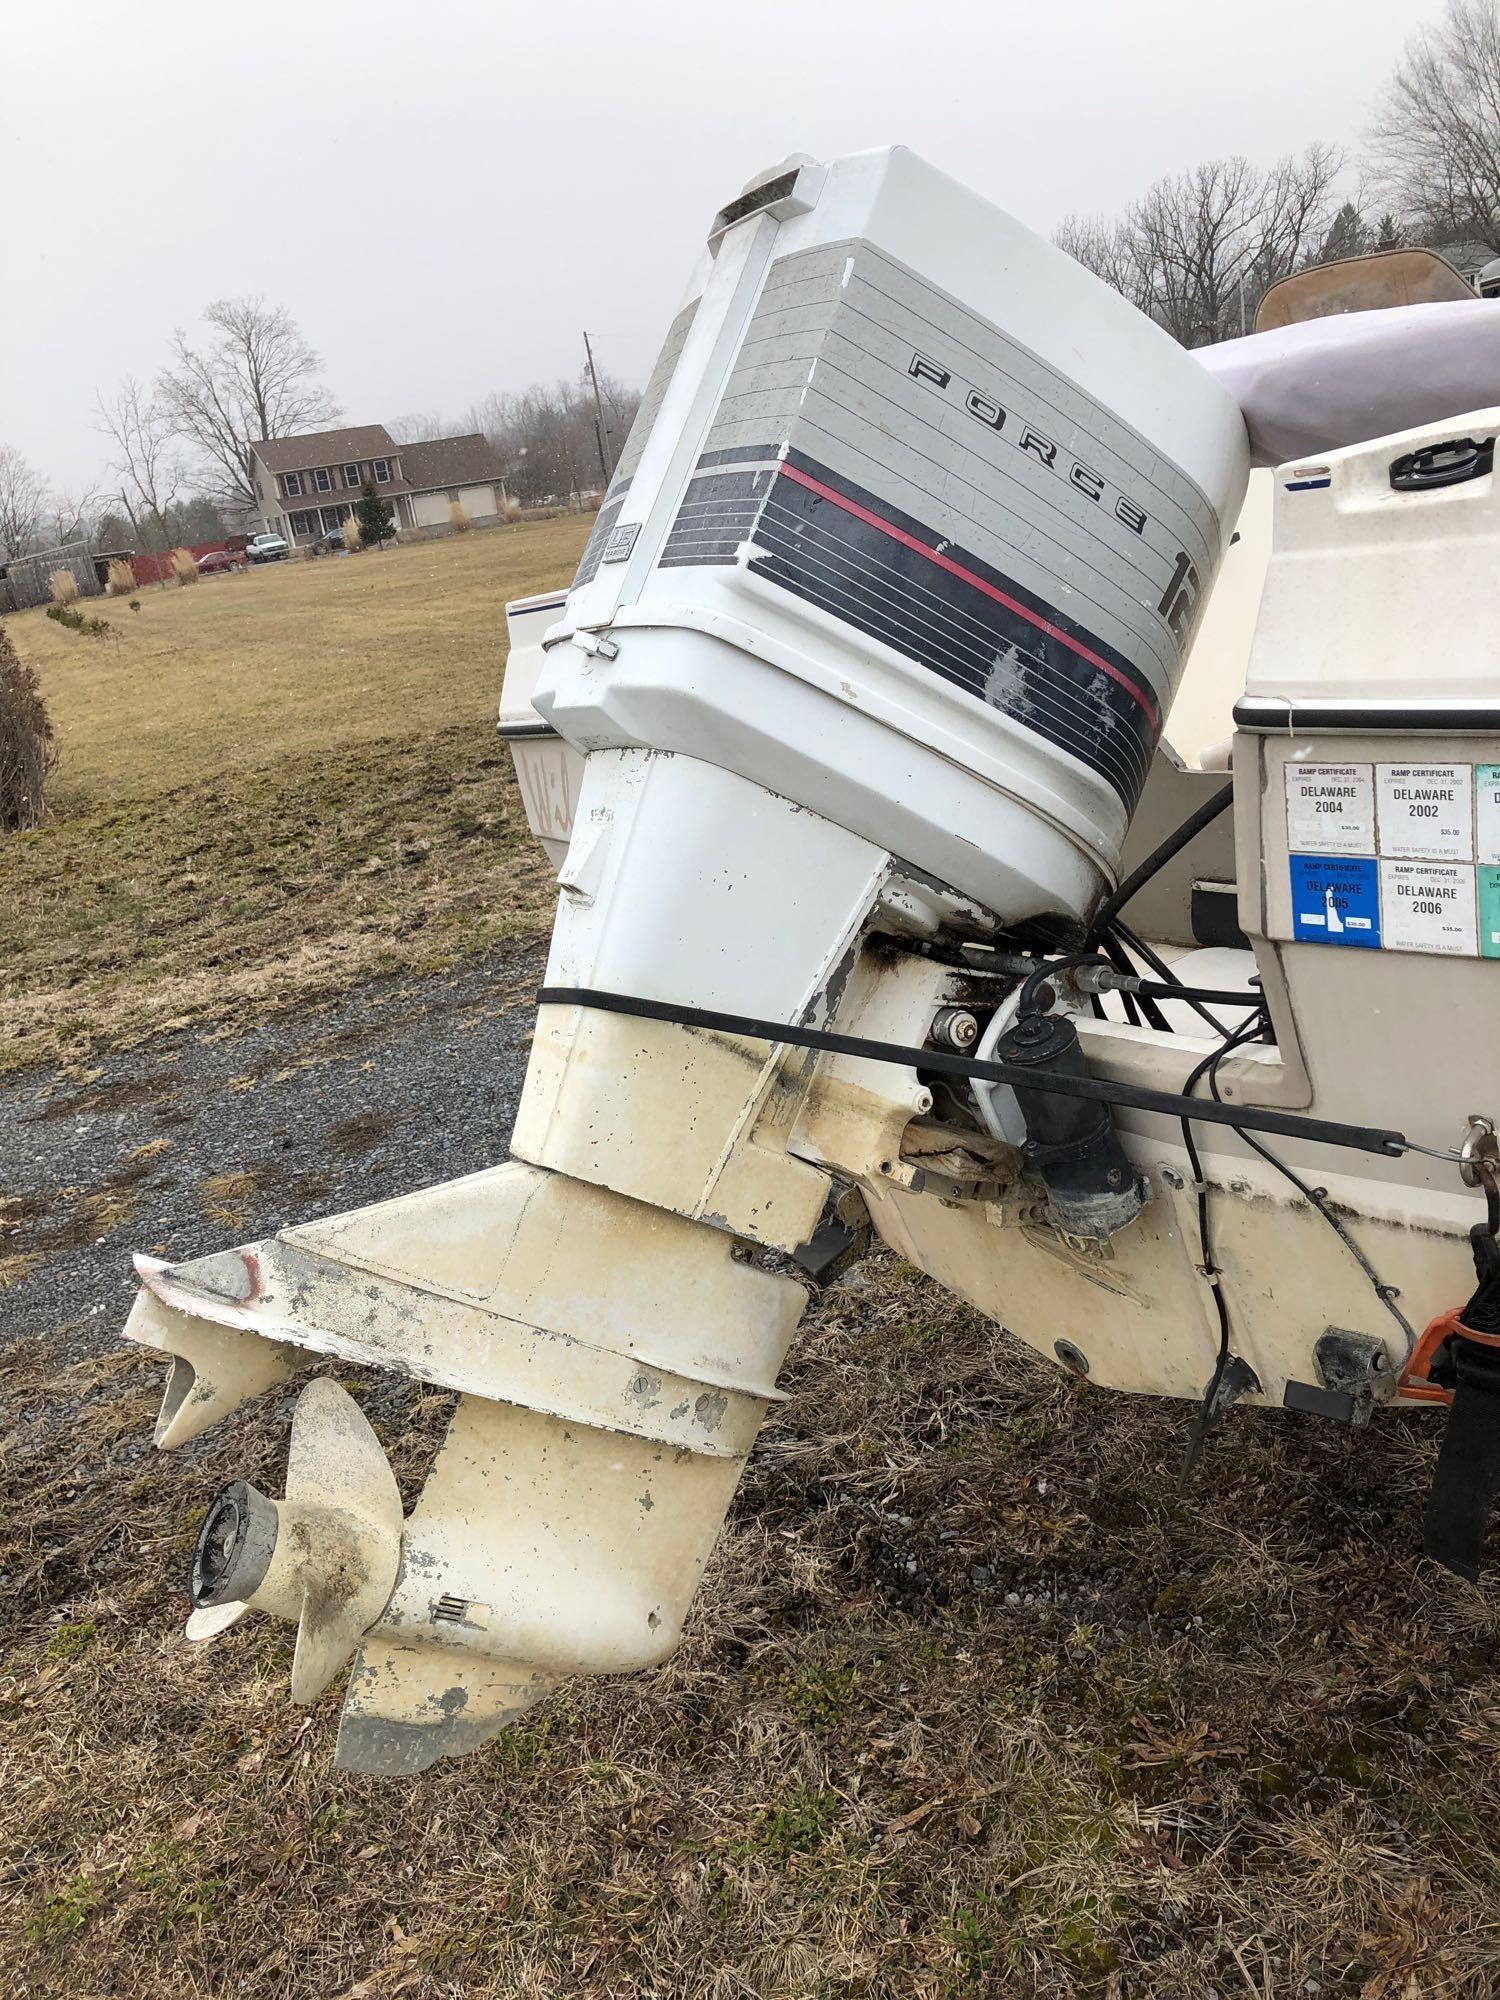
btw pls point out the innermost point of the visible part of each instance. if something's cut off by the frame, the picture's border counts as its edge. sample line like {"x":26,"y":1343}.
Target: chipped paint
{"x":538,"y":1298}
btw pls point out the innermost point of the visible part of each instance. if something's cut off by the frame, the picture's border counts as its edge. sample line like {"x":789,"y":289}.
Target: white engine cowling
{"x":913,"y":529}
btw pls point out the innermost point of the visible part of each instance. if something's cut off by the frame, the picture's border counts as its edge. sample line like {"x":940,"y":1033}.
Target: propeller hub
{"x":234,"y":1547}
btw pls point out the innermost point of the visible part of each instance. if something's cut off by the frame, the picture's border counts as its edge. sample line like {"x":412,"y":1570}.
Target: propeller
{"x":325,"y":1556}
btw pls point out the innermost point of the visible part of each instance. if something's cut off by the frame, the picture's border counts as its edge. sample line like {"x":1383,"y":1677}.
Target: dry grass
{"x":119,"y":579}
{"x":270,"y":790}
{"x":281,"y":660}
{"x":966,"y":1709}
{"x":460,"y":520}
{"x":183,"y":566}
{"x":28,"y":746}
{"x":353,"y":539}
{"x":63,"y":586}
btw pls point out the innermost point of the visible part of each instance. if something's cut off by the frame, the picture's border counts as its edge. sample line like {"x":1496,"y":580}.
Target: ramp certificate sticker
{"x":1489,"y":912}
{"x":1396,"y":857}
{"x":1330,"y":809}
{"x":1487,"y":812}
{"x":1426,"y":811}
{"x":1426,"y":906}
{"x":1336,"y":901}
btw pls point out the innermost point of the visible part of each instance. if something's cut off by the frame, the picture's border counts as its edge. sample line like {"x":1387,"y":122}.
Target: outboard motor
{"x":868,"y":655}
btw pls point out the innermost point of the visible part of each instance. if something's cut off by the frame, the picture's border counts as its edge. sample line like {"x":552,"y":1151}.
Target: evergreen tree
{"x":373,"y":514}
{"x":1347,"y":236}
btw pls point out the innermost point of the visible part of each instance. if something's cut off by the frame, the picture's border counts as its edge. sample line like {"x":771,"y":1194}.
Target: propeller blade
{"x":209,"y":1620}
{"x":342,"y":1494}
{"x":336,"y":1461}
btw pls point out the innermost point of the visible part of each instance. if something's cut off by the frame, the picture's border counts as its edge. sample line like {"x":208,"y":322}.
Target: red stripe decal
{"x":977,"y":582}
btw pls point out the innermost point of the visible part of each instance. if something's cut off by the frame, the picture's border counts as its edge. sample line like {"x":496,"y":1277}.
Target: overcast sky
{"x":445,"y":193}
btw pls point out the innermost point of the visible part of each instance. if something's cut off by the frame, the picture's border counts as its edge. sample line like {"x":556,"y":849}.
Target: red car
{"x":219,"y":559}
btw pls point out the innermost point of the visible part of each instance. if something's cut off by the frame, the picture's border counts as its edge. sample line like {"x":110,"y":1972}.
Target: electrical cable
{"x":1317,"y":1198}
{"x":1029,"y":1000}
{"x":1157,"y":860}
{"x":1148,"y":1011}
{"x":1211,"y":996}
{"x":1203,"y":1422}
{"x":1162,"y":970}
{"x":1168,"y":987}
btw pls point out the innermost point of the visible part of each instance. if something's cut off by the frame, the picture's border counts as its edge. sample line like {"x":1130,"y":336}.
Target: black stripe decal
{"x":835,"y":545}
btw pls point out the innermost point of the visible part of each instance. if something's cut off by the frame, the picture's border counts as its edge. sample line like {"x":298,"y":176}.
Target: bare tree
{"x":1108,"y":249}
{"x":417,"y":426}
{"x":145,"y":460}
{"x":24,"y":495}
{"x":74,"y":516}
{"x":1435,"y":143}
{"x":547,"y":439}
{"x":1198,"y":249}
{"x":255,"y":377}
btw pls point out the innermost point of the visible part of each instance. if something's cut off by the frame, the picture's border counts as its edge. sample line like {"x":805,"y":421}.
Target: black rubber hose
{"x":1158,"y":965}
{"x":1166,"y":989}
{"x":1212,"y":1274}
{"x":1156,"y":860}
{"x":1029,"y":1001}
{"x":1148,"y":1012}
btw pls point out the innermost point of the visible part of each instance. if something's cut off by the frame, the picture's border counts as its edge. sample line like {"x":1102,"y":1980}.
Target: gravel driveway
{"x":202,"y":1139}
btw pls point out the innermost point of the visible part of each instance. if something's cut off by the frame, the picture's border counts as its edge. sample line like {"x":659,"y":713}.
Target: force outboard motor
{"x":874,"y":634}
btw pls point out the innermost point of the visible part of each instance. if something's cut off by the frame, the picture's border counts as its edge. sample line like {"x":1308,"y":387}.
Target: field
{"x":969,"y":1705}
{"x":273,"y":785}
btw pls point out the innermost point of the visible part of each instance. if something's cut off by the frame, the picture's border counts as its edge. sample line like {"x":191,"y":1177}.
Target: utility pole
{"x":606,"y":461}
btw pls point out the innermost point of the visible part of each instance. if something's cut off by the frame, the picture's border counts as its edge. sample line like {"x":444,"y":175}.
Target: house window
{"x":382,"y":470}
{"x":291,"y":485}
{"x":323,"y":479}
{"x":304,"y":524}
{"x":351,"y":477}
{"x":331,"y":519}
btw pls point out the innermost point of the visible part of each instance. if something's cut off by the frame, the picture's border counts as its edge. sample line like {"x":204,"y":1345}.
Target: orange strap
{"x":1414,"y":1383}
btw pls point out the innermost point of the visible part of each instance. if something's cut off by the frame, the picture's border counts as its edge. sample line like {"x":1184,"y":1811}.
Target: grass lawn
{"x":969,"y":1708}
{"x":272,"y":785}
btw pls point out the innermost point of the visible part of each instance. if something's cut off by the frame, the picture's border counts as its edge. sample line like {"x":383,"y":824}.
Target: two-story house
{"x":308,"y":486}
